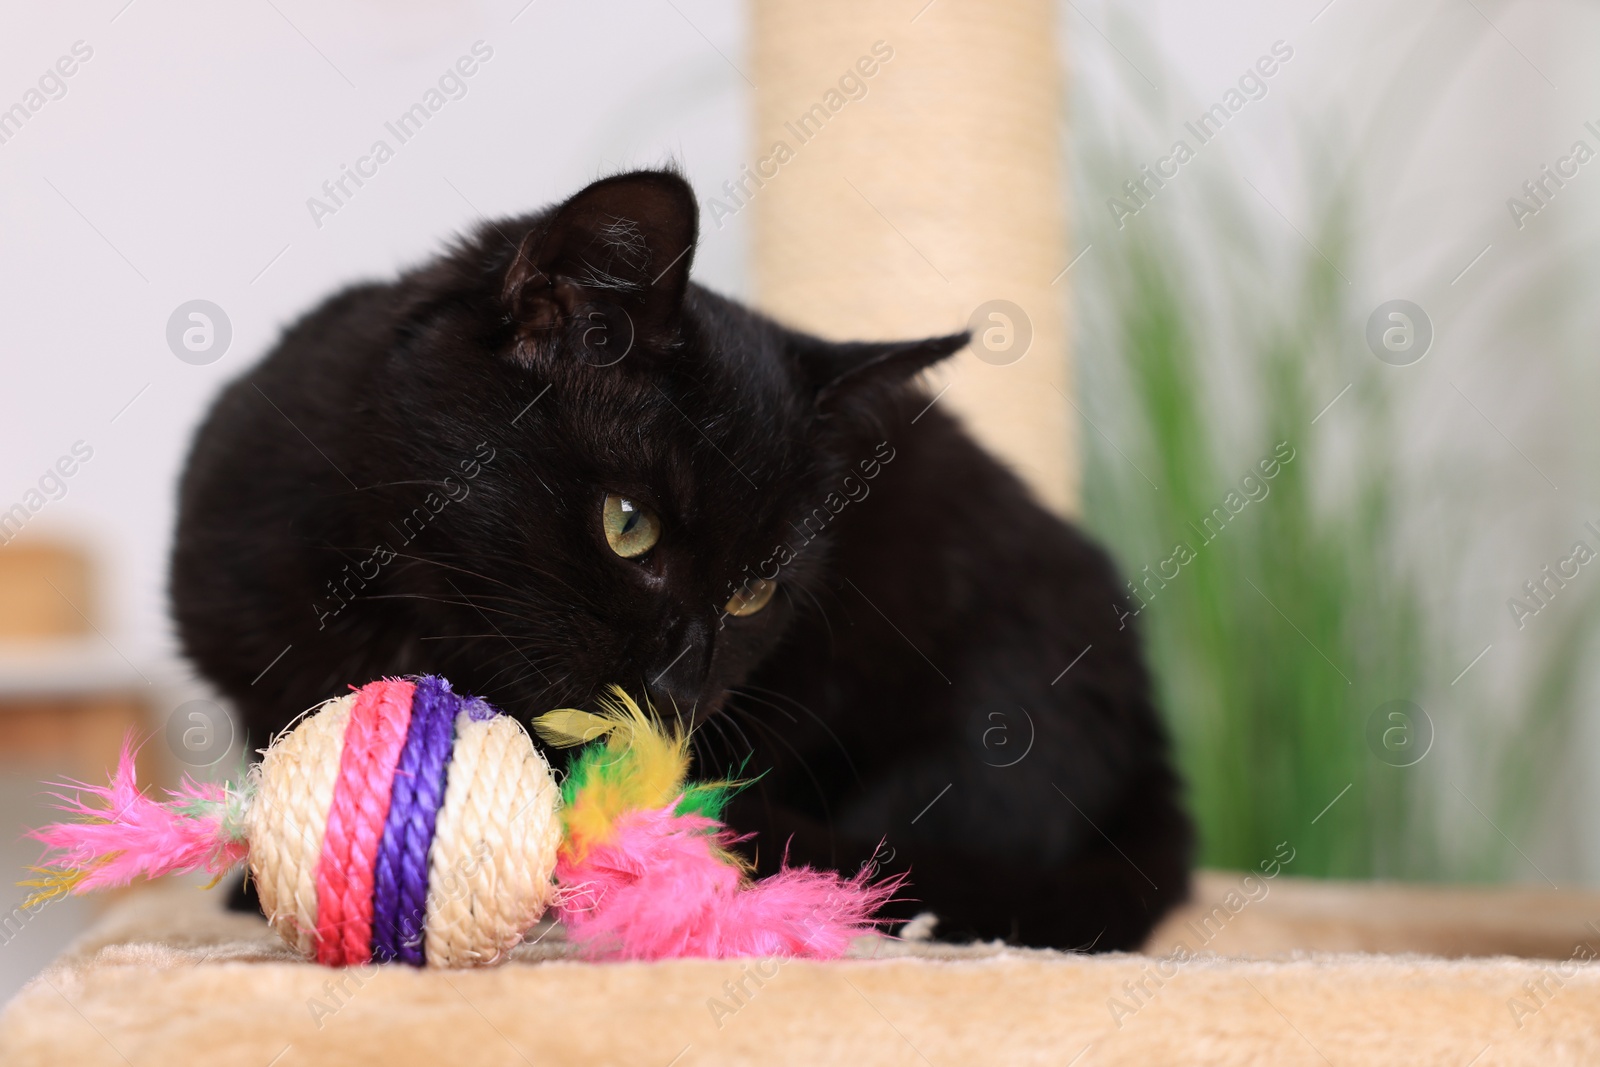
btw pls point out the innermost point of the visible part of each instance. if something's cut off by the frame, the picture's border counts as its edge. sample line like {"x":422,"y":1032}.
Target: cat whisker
{"x":822,"y":612}
{"x":431,"y":482}
{"x":560,"y":699}
{"x":748,"y":690}
{"x":459,"y":570}
{"x":511,"y":665}
{"x":752,"y":691}
{"x":467,"y":602}
{"x":726,"y":744}
{"x":750,"y":749}
{"x":544,"y":577}
{"x":463,"y":603}
{"x":536,"y":704}
{"x":822,"y":795}
{"x":458,"y":637}
{"x":521,"y":602}
{"x":696,"y":750}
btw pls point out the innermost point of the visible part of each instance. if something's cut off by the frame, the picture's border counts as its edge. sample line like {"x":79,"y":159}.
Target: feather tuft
{"x":568,"y":727}
{"x":660,"y":888}
{"x":120,"y":834}
{"x":639,"y":765}
{"x":646,"y":864}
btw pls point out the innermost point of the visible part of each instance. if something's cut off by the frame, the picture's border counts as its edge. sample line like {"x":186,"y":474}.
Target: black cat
{"x":546,"y":463}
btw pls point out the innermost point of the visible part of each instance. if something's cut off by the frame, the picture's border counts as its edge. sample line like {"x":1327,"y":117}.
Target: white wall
{"x":178,"y":165}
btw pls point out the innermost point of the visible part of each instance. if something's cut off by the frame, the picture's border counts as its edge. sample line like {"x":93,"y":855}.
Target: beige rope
{"x":494,"y":846}
{"x":921,"y":178}
{"x":289,"y":816}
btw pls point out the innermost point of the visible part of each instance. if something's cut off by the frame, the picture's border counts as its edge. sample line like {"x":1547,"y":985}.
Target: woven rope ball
{"x":404,"y":822}
{"x":407,"y":823}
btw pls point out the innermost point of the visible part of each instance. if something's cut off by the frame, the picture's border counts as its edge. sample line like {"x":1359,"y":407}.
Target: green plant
{"x":1209,"y":344}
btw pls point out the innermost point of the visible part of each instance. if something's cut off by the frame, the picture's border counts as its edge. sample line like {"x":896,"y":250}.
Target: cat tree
{"x":920,"y":191}
{"x":895,"y":203}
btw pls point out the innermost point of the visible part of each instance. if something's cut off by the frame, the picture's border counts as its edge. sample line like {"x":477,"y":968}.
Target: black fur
{"x":413,"y":479}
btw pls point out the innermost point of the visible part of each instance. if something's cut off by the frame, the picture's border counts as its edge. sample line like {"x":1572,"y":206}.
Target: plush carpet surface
{"x":169,"y":978}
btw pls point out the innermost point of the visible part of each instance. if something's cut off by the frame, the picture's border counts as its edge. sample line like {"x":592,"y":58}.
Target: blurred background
{"x":1321,"y":377}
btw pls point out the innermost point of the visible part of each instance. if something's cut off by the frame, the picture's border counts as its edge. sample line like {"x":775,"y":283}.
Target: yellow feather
{"x":567,"y":727}
{"x":54,"y":882}
{"x":642,"y":765}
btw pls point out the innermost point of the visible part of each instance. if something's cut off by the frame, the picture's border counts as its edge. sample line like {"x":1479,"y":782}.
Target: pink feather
{"x":659,"y":889}
{"x":127,"y":834}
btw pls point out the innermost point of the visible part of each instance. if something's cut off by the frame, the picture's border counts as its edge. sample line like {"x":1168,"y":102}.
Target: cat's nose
{"x":676,"y":680}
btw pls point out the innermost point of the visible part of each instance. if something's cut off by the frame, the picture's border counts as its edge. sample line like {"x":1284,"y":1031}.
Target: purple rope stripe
{"x":400,"y":883}
{"x":478,"y":709}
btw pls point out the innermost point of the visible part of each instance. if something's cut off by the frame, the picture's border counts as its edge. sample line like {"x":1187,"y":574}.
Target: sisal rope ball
{"x":403,"y":822}
{"x":406,"y":823}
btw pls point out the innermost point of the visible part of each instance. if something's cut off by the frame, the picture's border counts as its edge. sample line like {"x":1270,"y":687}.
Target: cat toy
{"x":404,"y":822}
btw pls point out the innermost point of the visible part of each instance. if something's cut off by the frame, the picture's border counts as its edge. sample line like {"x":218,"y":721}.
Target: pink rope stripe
{"x":373,"y":741}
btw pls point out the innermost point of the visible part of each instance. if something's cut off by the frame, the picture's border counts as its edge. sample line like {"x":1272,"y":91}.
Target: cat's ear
{"x":838,"y":370}
{"x":626,"y":242}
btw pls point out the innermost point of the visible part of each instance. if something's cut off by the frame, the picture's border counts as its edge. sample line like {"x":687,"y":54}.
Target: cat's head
{"x":667,"y":465}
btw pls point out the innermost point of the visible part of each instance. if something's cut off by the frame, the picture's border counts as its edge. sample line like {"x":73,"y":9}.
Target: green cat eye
{"x":631,"y":528}
{"x":752,"y":598}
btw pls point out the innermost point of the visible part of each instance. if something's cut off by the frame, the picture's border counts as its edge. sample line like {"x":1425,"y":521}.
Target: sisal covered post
{"x":907,"y":173}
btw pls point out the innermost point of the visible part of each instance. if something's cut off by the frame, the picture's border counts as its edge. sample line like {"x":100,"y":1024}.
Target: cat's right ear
{"x":624,"y":242}
{"x":840,"y":370}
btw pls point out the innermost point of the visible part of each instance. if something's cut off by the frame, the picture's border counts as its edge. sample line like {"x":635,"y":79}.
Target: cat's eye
{"x":752,"y":598}
{"x":631,"y":528}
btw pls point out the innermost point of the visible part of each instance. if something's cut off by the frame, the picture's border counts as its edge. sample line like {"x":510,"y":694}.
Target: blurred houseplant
{"x":1289,"y":631}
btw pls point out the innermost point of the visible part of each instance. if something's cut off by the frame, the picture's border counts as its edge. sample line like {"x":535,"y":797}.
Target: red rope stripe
{"x":373,"y":742}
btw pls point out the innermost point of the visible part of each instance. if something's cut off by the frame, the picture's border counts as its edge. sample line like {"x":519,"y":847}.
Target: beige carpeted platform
{"x":168,"y":978}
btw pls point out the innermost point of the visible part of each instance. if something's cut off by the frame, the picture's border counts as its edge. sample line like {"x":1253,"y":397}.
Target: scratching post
{"x":895,"y":190}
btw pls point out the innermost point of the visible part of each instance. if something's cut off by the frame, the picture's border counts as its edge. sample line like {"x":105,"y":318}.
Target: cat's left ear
{"x":838,"y":370}
{"x":626,"y":241}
